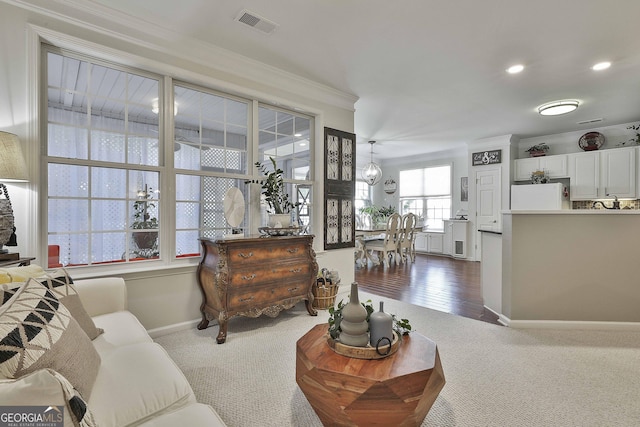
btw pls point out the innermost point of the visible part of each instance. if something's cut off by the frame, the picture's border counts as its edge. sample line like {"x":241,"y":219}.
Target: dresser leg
{"x":312,"y":311}
{"x":222,"y":334}
{"x":204,"y":322}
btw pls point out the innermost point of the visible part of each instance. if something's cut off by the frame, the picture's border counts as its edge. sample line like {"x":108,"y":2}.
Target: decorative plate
{"x":281,"y":231}
{"x":591,"y":141}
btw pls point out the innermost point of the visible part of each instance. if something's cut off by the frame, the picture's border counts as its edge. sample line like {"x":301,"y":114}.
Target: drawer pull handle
{"x":293,"y":250}
{"x":243,"y":255}
{"x":246,"y":299}
{"x":295,"y":270}
{"x":292,"y":289}
{"x":251,"y":277}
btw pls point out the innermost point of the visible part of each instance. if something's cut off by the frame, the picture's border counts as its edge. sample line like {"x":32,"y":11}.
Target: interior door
{"x":488,"y":200}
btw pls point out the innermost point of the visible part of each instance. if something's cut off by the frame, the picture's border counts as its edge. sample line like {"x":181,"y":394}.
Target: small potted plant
{"x":143,"y":220}
{"x":538,"y":150}
{"x":275,"y":194}
{"x":636,"y":139}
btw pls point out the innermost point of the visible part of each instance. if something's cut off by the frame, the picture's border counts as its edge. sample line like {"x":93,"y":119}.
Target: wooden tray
{"x":367,"y":352}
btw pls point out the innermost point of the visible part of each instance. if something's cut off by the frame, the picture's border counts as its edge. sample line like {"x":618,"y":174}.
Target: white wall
{"x":167,"y":293}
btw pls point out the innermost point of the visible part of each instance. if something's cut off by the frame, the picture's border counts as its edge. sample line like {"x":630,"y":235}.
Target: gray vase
{"x":354,"y":321}
{"x":380,"y":326}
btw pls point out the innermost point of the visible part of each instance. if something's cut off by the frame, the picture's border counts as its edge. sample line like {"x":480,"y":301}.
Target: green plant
{"x":274,"y":189}
{"x":636,"y":128}
{"x":538,"y":147}
{"x":376,"y":213}
{"x":400,"y":326}
{"x":142,"y":219}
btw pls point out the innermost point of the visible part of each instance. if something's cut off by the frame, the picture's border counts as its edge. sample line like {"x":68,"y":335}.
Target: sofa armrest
{"x":102,"y":295}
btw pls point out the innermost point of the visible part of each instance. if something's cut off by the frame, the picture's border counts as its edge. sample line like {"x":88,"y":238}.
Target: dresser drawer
{"x":247,"y":298}
{"x":267,"y":253}
{"x":274,"y":273}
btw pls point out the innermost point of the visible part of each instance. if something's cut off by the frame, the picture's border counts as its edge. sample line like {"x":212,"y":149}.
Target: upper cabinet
{"x":555,"y":166}
{"x":595,"y":174}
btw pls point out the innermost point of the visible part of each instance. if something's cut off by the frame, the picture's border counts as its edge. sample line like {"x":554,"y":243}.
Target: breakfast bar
{"x":571,"y":265}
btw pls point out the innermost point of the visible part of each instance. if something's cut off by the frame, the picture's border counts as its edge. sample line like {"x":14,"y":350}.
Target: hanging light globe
{"x":372,"y":174}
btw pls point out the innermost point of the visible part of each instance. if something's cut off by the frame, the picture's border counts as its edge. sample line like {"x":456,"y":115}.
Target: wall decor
{"x":464,"y":189}
{"x":390,"y":186}
{"x":339,"y":189}
{"x":487,"y":157}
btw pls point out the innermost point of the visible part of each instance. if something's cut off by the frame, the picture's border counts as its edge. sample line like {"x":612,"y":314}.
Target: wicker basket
{"x":324,"y":293}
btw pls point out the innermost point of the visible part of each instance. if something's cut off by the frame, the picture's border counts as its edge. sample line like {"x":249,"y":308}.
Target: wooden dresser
{"x":253,"y":276}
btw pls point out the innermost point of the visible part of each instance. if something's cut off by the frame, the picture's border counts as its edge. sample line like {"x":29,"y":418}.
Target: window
{"x":113,"y":170}
{"x":427,"y":193}
{"x":286,"y":137}
{"x":362,"y":199}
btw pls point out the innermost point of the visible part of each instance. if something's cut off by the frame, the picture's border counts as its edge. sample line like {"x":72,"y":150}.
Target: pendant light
{"x":372,"y":174}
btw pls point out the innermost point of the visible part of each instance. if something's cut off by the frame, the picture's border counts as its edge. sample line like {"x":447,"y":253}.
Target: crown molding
{"x":108,"y":22}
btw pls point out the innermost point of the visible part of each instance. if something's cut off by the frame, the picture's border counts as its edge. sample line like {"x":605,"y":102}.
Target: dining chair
{"x":407,"y":239}
{"x":387,"y":246}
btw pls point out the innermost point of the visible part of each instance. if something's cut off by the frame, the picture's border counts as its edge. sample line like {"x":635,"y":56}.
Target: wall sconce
{"x":12,"y":169}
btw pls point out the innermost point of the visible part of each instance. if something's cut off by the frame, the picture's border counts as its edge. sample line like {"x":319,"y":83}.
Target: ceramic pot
{"x":380,"y":326}
{"x":354,"y":324}
{"x":279,"y":220}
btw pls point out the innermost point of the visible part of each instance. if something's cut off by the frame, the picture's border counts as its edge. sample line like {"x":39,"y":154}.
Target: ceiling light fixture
{"x":372,"y":174}
{"x":601,"y":66}
{"x":556,"y":108}
{"x":515,"y":69}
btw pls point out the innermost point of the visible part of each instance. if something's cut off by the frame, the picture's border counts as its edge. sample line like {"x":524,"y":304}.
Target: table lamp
{"x":12,"y":169}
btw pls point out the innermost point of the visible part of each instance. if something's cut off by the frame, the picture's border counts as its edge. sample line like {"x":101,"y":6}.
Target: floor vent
{"x":256,"y":22}
{"x":584,"y":122}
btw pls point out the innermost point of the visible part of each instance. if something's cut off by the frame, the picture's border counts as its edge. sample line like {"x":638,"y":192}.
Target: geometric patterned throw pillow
{"x":38,"y":332}
{"x":61,"y":284}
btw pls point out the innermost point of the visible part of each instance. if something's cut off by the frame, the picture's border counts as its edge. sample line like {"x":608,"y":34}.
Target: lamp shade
{"x":12,"y":164}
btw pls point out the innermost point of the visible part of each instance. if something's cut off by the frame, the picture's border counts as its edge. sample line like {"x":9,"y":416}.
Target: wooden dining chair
{"x":387,"y":246}
{"x":407,"y":239}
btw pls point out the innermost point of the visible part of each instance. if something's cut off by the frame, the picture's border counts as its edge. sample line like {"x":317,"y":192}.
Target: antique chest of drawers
{"x":253,"y":276}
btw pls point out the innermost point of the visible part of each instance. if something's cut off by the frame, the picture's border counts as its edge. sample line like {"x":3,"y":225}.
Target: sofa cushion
{"x":47,"y":388}
{"x":137,"y":382}
{"x":121,"y":328}
{"x":196,"y":414}
{"x":62,"y":287}
{"x":37,"y":332}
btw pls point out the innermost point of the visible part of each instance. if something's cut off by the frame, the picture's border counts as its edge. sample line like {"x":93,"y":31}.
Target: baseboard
{"x":569,"y":324}
{"x":164,"y":330}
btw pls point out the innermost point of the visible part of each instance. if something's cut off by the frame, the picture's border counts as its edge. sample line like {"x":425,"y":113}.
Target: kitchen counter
{"x":574,"y":266}
{"x":577,"y":212}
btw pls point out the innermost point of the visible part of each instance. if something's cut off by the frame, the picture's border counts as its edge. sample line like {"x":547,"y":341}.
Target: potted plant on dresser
{"x":143,"y":219}
{"x":275,"y":193}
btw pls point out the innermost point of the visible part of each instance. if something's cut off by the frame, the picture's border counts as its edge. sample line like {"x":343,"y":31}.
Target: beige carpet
{"x":496,"y":376}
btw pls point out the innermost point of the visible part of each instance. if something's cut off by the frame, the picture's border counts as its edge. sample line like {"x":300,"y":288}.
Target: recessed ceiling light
{"x":556,"y":108}
{"x":601,"y":66}
{"x":515,"y":69}
{"x":297,"y":134}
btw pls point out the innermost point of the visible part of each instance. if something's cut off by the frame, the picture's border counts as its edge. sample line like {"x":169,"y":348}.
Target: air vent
{"x":256,"y":22}
{"x":584,"y":122}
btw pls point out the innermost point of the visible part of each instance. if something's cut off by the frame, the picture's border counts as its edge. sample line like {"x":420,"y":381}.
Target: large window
{"x":427,"y":193}
{"x":128,"y":183}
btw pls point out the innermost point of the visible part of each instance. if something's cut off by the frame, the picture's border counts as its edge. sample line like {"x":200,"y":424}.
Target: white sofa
{"x":137,"y":384}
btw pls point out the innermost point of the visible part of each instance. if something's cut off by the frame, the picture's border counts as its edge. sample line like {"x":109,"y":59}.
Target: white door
{"x":488,"y":200}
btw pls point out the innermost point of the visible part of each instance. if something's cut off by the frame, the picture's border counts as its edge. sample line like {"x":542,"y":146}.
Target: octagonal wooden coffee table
{"x":398,"y":390}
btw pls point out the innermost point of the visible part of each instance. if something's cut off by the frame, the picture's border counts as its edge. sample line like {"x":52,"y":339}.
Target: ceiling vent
{"x":256,"y":22}
{"x":584,"y":122}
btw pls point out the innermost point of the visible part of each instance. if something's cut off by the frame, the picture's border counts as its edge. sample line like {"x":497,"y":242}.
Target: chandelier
{"x":372,"y":172}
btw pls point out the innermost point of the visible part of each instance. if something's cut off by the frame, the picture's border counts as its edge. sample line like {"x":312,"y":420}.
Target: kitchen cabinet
{"x":595,"y":174}
{"x":429,"y":242}
{"x":618,"y":172}
{"x":555,"y":166}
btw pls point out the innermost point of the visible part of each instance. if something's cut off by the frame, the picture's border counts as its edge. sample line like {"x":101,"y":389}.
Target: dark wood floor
{"x":436,"y":282}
